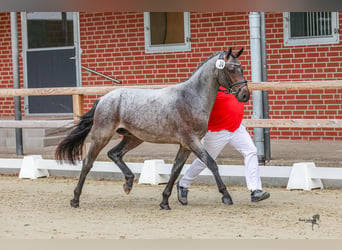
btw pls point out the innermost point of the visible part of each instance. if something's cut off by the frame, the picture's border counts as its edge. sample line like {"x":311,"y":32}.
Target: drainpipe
{"x":267,"y":135}
{"x":16,"y":82}
{"x":256,"y":64}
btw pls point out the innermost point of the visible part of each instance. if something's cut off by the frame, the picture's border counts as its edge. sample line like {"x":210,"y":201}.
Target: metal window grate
{"x":310,"y":24}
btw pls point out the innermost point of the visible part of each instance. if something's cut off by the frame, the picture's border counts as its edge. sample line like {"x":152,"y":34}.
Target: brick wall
{"x":113,"y":44}
{"x":6,"y":103}
{"x":297,"y":63}
{"x":6,"y":73}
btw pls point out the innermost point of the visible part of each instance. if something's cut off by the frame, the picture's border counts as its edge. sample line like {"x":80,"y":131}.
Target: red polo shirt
{"x":227,"y":113}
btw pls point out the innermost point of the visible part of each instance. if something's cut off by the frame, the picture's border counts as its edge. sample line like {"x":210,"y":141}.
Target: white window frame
{"x":333,"y":39}
{"x":186,"y":46}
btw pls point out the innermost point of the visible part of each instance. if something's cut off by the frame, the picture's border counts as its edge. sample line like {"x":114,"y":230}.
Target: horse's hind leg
{"x":95,"y":147}
{"x":115,"y":154}
{"x":180,"y":160}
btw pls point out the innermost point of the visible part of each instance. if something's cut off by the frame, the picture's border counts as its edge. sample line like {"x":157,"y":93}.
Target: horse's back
{"x":137,"y":99}
{"x":136,"y":109}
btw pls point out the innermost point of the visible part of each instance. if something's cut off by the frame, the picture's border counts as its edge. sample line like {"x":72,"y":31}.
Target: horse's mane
{"x":199,"y":66}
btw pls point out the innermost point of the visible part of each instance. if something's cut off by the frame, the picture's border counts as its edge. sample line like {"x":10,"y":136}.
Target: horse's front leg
{"x":204,"y":156}
{"x":226,"y":198}
{"x":180,"y":160}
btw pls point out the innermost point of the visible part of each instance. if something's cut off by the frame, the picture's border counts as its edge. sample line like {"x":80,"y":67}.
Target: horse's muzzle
{"x":243,"y":95}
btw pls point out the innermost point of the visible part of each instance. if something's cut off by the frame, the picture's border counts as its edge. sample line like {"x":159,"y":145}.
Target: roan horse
{"x":176,"y":114}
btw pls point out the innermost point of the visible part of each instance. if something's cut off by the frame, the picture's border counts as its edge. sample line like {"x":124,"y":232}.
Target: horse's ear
{"x":229,"y":52}
{"x":239,"y":53}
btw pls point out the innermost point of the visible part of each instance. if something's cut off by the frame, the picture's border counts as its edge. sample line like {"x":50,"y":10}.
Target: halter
{"x":243,"y":83}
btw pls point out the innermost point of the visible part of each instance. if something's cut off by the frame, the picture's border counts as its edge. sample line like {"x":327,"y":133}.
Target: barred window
{"x":305,"y":28}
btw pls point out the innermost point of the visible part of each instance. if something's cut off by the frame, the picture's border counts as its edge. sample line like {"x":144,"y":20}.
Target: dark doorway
{"x":50,"y":60}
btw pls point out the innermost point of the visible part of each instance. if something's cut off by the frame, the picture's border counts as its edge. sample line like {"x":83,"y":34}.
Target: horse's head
{"x":231,"y":77}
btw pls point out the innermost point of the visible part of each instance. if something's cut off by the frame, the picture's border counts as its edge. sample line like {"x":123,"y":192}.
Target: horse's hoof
{"x":227,"y":201}
{"x":74,"y":203}
{"x":164,"y":206}
{"x":127,"y":188}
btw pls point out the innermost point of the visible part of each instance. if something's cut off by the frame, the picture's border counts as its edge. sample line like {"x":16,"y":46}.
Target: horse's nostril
{"x":245,"y":97}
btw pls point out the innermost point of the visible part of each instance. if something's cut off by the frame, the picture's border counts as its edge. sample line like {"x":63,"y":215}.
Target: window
{"x":50,"y":29}
{"x":167,"y":31}
{"x":305,"y":28}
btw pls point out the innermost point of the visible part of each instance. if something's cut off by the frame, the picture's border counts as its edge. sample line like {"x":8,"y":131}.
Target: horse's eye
{"x":231,"y":71}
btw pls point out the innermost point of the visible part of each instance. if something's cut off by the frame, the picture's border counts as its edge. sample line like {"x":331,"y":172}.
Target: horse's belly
{"x":157,"y":138}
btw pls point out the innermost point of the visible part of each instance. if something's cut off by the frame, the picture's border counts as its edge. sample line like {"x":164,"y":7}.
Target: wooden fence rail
{"x":100,"y":90}
{"x":250,"y":123}
{"x":36,"y":123}
{"x":292,"y":123}
{"x":79,"y":92}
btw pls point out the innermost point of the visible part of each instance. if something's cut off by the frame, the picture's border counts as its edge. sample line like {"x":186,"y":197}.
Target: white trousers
{"x":214,"y":142}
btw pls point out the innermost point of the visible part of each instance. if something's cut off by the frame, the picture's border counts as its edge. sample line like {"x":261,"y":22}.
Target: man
{"x":225,"y":127}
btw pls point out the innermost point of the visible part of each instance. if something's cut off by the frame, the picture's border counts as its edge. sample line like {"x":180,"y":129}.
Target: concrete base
{"x":30,"y":168}
{"x":149,"y":173}
{"x":301,"y":177}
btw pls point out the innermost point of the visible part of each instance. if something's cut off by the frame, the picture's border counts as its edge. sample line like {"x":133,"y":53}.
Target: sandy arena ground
{"x":39,"y":209}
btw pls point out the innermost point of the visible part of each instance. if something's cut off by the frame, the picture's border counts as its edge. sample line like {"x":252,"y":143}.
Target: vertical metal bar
{"x":328,"y":24}
{"x":307,"y":24}
{"x":265,"y":111}
{"x":254,"y":22}
{"x":77,"y":44}
{"x":313,"y":23}
{"x":16,"y":82}
{"x":324,"y":23}
{"x":310,"y":24}
{"x":320,"y":23}
{"x":317,"y":24}
{"x":24,"y":38}
{"x":263,"y":47}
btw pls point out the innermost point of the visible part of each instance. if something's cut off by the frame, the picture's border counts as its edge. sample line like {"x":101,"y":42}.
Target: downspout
{"x":264,"y":78}
{"x":256,"y":64}
{"x":78,"y":50}
{"x":16,"y":82}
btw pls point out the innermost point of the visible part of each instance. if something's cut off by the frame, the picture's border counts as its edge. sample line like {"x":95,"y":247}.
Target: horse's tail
{"x":70,"y":148}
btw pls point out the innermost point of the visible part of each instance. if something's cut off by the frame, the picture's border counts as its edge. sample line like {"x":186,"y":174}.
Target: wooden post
{"x":78,"y":106}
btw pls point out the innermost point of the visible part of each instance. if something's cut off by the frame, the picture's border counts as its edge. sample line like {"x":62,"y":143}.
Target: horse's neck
{"x":205,"y":85}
